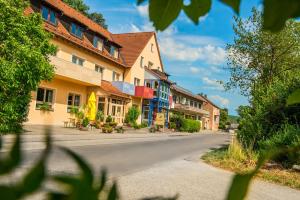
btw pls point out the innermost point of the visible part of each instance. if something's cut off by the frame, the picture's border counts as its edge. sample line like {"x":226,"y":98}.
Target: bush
{"x":144,"y":124}
{"x":107,"y":129}
{"x":113,"y":124}
{"x":190,"y":126}
{"x":137,"y":126}
{"x":132,"y":115}
{"x":109,"y":119}
{"x":120,"y":129}
{"x":100,"y":116}
{"x":172,"y":125}
{"x":178,"y":120}
{"x":85,"y":122}
{"x":287,"y":137}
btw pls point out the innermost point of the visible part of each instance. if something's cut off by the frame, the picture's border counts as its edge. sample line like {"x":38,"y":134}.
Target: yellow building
{"x":90,"y":59}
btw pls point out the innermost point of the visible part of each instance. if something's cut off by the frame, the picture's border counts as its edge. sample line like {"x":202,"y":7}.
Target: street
{"x":124,"y":158}
{"x":157,"y":165}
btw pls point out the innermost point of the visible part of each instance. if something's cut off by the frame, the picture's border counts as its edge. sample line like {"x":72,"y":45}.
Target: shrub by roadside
{"x":236,"y":159}
{"x":190,"y":126}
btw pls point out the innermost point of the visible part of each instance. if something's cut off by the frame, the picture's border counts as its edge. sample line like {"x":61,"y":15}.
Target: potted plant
{"x":99,"y":119}
{"x":84,"y":124}
{"x":45,"y":107}
{"x":109,"y":119}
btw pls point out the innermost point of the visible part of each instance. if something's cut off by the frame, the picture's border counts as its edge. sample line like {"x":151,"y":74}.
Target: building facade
{"x":189,"y":105}
{"x":123,"y":70}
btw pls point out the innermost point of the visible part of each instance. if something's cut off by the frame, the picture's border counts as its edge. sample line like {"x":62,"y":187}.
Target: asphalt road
{"x":126,"y":158}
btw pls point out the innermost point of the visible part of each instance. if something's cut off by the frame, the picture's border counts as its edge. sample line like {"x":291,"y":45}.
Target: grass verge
{"x":239,"y":162}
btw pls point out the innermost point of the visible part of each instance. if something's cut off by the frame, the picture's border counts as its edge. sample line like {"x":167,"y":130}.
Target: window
{"x":101,"y":103}
{"x":142,"y":62}
{"x":152,"y":47}
{"x":98,"y":43}
{"x":44,"y":96}
{"x":99,"y":70}
{"x":78,"y":61}
{"x":116,"y":76}
{"x":150,"y":64}
{"x":76,"y":30}
{"x":73,"y":100}
{"x":114,"y":51}
{"x":137,"y":81}
{"x":49,"y":15}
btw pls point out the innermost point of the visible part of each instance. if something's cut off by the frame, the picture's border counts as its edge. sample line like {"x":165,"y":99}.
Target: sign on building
{"x":160,"y":119}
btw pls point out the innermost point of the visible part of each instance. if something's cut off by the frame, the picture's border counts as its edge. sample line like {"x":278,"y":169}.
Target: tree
{"x":264,"y":66}
{"x":83,"y":8}
{"x":78,"y":5}
{"x":24,"y":61}
{"x":223,"y":118}
{"x":98,"y":18}
{"x":258,"y":57}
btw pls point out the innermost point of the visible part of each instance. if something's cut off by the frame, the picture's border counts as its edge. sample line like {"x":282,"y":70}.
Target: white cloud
{"x":180,"y":51}
{"x":221,"y":100}
{"x":212,"y":84}
{"x":143,"y":10}
{"x":194,"y":69}
{"x":215,"y":69}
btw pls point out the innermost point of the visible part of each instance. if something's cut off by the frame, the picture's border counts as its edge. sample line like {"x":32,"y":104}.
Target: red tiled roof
{"x":109,"y":88}
{"x":62,"y":32}
{"x":159,"y":74}
{"x":133,"y":44}
{"x":74,"y":14}
{"x":187,"y":93}
{"x":209,"y":101}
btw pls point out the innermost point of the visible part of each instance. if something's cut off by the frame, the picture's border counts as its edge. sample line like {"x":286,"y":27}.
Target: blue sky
{"x":194,"y":56}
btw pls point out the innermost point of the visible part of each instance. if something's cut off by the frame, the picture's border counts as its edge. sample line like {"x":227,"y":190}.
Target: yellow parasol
{"x":92,"y":107}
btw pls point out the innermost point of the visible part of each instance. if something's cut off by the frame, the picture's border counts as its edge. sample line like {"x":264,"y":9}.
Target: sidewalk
{"x":33,"y":137}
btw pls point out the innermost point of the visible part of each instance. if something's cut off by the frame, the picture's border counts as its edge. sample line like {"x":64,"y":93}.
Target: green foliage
{"x":107,"y":129}
{"x":163,"y":13}
{"x":100,"y":116}
{"x":109,"y":119}
{"x":132,"y":115}
{"x":32,"y":180}
{"x":275,"y":14}
{"x":113,"y":124}
{"x":288,"y":136}
{"x":172,"y":125}
{"x":74,"y":110}
{"x":241,"y":182}
{"x":24,"y":61}
{"x":178,"y":120}
{"x":45,"y":107}
{"x":223,"y":118}
{"x":137,"y":126}
{"x":197,"y":9}
{"x":190,"y":125}
{"x":144,"y":124}
{"x":294,"y":98}
{"x":264,"y":67}
{"x":80,"y":6}
{"x":85,"y":122}
{"x":120,"y":129}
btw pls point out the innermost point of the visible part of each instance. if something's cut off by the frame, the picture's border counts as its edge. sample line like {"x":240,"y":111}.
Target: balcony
{"x":144,"y":92}
{"x":190,"y":109}
{"x":124,"y":87}
{"x":75,"y":73}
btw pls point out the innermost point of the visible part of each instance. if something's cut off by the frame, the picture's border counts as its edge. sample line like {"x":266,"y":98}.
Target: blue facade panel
{"x":124,"y":87}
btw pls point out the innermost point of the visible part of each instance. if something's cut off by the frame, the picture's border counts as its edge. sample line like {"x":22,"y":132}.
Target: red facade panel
{"x":144,"y":92}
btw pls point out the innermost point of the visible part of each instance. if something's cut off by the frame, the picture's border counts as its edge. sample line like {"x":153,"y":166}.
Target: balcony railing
{"x":72,"y":71}
{"x":144,"y":92}
{"x":124,"y":87}
{"x":187,"y":108}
